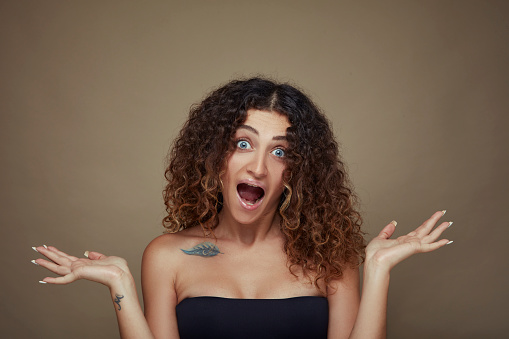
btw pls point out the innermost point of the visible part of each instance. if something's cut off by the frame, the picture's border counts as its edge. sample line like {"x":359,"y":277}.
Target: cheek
{"x":282,"y":169}
{"x":231,"y":167}
{"x":279,"y":173}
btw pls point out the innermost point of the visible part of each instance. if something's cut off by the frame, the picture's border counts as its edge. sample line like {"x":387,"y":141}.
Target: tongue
{"x":249,"y":193}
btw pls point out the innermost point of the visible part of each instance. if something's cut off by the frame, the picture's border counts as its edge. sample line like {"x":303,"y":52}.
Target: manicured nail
{"x":450,"y":223}
{"x":450,"y":242}
{"x":443,"y":212}
{"x":394,"y":222}
{"x":86,"y":254}
{"x":35,"y":249}
{"x":46,"y":247}
{"x":42,"y":282}
{"x":34,"y":262}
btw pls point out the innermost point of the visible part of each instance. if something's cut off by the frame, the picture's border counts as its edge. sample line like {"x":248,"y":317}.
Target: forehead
{"x":266,"y":121}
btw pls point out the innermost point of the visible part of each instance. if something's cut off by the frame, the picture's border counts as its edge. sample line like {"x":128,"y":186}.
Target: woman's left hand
{"x":386,"y":253}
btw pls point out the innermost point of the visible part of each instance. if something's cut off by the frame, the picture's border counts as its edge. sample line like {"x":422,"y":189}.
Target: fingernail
{"x":46,"y":247}
{"x":450,"y":242}
{"x":450,"y":223}
{"x":35,"y":263}
{"x":394,"y":222}
{"x":86,"y":254}
{"x":42,"y":282}
{"x":35,"y":249}
{"x":443,"y":212}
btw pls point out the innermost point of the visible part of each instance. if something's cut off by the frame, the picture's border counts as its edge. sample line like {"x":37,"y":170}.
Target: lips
{"x":249,"y":193}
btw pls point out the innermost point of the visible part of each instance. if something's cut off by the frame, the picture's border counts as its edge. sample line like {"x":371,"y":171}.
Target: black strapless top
{"x":215,"y":317}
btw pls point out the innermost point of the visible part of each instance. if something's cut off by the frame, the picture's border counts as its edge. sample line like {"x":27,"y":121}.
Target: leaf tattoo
{"x":204,"y":249}
{"x":117,"y":300}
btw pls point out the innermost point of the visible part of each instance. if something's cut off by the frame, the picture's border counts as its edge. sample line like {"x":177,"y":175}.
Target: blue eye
{"x":243,"y":144}
{"x":278,"y":152}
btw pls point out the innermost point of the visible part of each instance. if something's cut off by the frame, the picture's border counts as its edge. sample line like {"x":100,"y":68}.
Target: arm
{"x":158,"y":282}
{"x":382,"y":254}
{"x":110,"y":271}
{"x":372,"y":316}
{"x":344,"y":297}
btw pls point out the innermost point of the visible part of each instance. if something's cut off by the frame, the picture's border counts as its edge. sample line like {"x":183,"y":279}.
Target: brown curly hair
{"x":319,"y":221}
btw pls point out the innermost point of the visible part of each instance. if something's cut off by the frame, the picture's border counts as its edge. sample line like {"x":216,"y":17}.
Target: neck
{"x":248,"y":234}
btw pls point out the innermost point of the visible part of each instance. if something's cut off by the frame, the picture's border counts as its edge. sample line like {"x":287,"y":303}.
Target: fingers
{"x":98,"y":267}
{"x":95,"y":255}
{"x":437,"y":232}
{"x":55,"y":255}
{"x":55,"y":268}
{"x":66,"y":279}
{"x":59,"y":262}
{"x":388,"y":230}
{"x":428,"y":225}
{"x":435,"y":245}
{"x":55,"y":250}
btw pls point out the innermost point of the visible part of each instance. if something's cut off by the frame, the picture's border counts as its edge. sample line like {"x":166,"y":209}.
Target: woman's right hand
{"x":98,"y":267}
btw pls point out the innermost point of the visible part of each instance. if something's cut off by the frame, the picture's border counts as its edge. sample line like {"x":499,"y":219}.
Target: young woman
{"x":263,"y":237}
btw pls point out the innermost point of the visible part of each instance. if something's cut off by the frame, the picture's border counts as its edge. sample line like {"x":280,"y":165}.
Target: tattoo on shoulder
{"x":117,"y":300}
{"x":204,"y":249}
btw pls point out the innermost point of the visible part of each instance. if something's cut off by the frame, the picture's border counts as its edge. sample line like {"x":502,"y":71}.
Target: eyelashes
{"x":278,"y":152}
{"x":244,"y":144}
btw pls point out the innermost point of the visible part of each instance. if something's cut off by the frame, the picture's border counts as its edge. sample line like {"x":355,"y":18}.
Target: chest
{"x":247,"y":274}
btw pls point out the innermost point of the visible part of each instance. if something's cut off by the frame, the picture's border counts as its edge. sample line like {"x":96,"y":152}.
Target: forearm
{"x":130,"y":317}
{"x":372,"y":316}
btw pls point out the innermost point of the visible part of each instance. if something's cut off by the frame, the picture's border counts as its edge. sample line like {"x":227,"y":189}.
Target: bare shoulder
{"x":164,"y":249}
{"x":163,"y":260}
{"x":162,"y":264}
{"x":163,"y":244}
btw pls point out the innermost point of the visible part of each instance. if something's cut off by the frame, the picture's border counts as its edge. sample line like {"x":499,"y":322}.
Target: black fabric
{"x":214,"y":317}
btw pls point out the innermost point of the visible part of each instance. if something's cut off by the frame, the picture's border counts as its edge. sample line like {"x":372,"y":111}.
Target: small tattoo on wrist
{"x":117,"y":300}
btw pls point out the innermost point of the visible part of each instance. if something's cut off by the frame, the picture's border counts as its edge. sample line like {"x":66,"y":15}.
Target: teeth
{"x":252,"y":203}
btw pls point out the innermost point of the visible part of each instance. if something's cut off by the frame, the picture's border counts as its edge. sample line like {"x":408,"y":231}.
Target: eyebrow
{"x":255,"y":131}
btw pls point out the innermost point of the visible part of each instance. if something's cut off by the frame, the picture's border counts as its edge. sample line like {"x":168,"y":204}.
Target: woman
{"x":264,"y":240}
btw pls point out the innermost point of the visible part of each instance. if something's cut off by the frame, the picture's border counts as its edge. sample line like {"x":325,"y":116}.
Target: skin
{"x":252,"y":258}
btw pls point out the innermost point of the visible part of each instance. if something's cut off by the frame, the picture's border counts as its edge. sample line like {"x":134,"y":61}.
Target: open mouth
{"x":250,"y":194}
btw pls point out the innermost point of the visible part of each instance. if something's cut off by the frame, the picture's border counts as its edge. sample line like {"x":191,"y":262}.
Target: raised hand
{"x":386,"y":253}
{"x":97,"y":267}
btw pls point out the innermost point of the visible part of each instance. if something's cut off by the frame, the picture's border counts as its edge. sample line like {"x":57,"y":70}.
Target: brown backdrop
{"x":92,"y":93}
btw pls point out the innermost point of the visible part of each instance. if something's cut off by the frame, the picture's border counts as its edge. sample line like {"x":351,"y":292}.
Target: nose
{"x":258,"y":165}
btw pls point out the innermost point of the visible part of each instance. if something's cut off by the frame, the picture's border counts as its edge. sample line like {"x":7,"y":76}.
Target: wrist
{"x":121,"y":282}
{"x":373,"y":266}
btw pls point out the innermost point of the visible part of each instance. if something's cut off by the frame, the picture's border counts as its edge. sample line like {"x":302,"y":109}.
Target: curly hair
{"x":319,"y":220}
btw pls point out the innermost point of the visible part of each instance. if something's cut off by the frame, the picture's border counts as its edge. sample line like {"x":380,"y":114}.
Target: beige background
{"x":92,"y":93}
